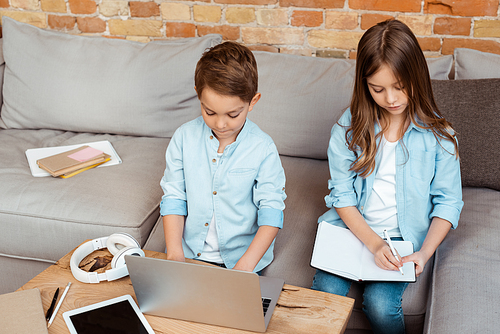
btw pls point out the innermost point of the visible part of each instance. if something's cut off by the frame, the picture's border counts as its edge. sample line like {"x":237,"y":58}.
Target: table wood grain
{"x":299,"y":310}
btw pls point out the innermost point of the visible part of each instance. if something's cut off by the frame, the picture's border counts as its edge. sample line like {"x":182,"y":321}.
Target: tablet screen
{"x":116,"y":317}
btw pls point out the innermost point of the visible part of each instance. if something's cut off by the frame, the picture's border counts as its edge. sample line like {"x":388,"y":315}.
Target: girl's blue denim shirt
{"x":244,"y":188}
{"x":428,"y":182}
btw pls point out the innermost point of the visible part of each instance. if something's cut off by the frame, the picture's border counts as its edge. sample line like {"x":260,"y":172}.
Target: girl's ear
{"x":255,"y":99}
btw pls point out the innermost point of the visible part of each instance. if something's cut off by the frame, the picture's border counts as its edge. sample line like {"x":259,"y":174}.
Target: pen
{"x":52,"y":304}
{"x":59,"y":304}
{"x":392,"y":249}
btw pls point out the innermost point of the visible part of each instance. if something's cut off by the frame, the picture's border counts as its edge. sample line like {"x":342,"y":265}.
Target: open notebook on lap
{"x":205,"y":294}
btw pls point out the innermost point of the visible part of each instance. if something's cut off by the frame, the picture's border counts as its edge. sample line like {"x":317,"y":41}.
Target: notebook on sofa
{"x":337,"y":250}
{"x":73,"y":160}
{"x":35,"y":154}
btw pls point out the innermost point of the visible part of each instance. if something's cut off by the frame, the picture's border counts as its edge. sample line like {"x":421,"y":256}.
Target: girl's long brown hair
{"x":393,"y":44}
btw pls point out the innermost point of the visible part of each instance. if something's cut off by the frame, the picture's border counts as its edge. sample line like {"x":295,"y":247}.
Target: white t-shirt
{"x":380,"y":209}
{"x":211,"y":251}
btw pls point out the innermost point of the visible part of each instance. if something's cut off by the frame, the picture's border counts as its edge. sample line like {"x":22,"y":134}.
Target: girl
{"x":394,"y":165}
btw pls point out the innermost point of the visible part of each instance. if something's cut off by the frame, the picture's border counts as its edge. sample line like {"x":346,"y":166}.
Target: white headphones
{"x":118,"y":244}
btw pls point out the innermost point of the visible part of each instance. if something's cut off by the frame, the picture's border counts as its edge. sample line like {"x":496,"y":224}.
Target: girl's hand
{"x":384,"y":257}
{"x":437,"y":232}
{"x":419,"y":259}
{"x":380,"y":249}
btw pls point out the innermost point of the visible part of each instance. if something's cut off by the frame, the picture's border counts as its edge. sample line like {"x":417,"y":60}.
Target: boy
{"x":224,"y":184}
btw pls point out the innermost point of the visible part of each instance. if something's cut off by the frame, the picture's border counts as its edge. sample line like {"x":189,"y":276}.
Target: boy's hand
{"x":176,"y":257}
{"x":240,"y":265}
{"x":173,"y":226}
{"x":258,"y":247}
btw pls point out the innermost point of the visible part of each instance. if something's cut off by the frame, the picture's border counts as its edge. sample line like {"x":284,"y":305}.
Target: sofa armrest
{"x":2,"y":69}
{"x":465,"y":286}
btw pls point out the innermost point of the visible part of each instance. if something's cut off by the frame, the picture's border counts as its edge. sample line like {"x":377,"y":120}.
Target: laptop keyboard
{"x":265,"y":304}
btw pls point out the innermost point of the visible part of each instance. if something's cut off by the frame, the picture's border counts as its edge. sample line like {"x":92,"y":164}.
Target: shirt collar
{"x":412,"y":126}
{"x":214,"y":142}
{"x":415,"y":127}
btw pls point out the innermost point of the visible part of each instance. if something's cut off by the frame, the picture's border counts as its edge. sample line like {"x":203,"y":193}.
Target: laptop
{"x":206,"y":294}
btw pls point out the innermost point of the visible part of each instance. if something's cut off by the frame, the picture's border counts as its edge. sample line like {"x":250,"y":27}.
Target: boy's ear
{"x":255,"y":99}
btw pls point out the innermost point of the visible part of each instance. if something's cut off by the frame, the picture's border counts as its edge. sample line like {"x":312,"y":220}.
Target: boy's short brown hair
{"x":229,"y":69}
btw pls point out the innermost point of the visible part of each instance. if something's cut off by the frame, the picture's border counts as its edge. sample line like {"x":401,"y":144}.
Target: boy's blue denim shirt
{"x":245,"y":188}
{"x":428,"y":182}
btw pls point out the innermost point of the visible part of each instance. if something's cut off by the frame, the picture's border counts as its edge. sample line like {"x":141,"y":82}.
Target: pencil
{"x":392,"y":249}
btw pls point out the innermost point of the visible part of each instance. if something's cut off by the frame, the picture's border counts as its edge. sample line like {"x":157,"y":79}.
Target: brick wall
{"x":324,"y":28}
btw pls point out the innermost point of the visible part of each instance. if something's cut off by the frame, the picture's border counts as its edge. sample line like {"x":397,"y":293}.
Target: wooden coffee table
{"x":299,"y":310}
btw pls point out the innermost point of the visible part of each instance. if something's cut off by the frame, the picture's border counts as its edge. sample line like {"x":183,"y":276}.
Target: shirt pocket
{"x":242,"y":178}
{"x":422,"y":165}
{"x":242,"y":172}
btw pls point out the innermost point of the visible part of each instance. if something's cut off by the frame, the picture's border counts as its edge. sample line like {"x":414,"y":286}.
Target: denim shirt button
{"x":199,"y":254}
{"x":214,"y":160}
{"x":211,"y":137}
{"x":362,"y":208}
{"x":206,"y":224}
{"x":215,"y":193}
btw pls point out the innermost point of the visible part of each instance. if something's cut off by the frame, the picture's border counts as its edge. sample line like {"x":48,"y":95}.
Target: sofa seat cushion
{"x":55,"y":215}
{"x":465,"y":286}
{"x":306,"y":186}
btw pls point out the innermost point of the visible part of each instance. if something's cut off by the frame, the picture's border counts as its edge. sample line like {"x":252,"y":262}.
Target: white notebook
{"x":337,"y":250}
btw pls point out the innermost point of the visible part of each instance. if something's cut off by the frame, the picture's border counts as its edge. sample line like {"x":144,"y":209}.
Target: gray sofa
{"x":60,"y":90}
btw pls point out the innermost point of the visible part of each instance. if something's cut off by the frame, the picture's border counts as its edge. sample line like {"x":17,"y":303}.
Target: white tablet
{"x":117,"y":315}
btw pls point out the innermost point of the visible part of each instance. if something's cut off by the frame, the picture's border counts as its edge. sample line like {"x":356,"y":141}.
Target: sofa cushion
{"x":87,"y":84}
{"x":306,"y":186}
{"x":55,"y":215}
{"x":473,"y":108}
{"x":302,"y":97}
{"x":473,"y":64}
{"x":440,"y":67}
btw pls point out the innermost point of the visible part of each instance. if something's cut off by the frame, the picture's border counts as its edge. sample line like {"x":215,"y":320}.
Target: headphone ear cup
{"x":119,"y":259}
{"x":117,"y":241}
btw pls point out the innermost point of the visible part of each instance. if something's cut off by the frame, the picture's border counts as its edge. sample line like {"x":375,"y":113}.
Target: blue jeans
{"x":381,"y":300}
